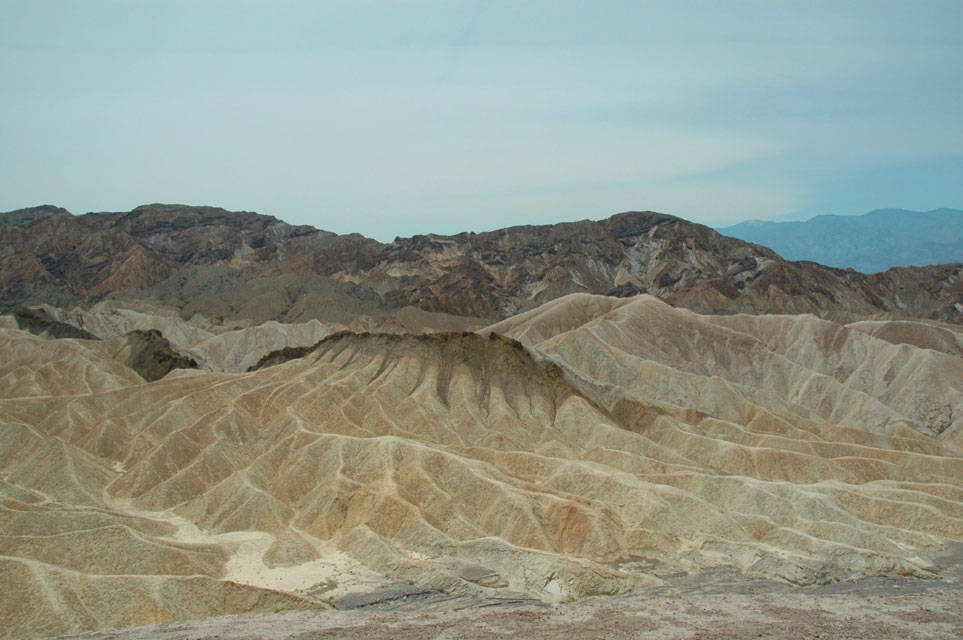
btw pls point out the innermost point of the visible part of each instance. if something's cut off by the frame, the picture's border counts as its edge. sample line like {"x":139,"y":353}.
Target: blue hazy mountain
{"x":869,"y":243}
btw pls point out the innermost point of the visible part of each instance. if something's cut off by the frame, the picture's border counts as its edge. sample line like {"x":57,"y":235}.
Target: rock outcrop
{"x":246,"y":266}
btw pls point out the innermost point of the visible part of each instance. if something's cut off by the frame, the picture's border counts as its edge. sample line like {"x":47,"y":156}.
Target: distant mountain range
{"x":870,"y":243}
{"x":244,"y":265}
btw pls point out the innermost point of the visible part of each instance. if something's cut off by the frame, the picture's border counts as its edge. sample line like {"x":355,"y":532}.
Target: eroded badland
{"x":220,"y":414}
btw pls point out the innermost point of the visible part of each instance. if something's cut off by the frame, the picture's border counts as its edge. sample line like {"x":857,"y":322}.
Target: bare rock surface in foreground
{"x":711,"y":605}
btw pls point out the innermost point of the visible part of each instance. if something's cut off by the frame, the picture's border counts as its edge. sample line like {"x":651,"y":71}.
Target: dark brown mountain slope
{"x":151,"y":355}
{"x":21,"y":217}
{"x":69,"y":259}
{"x":40,"y":323}
{"x":245,"y":265}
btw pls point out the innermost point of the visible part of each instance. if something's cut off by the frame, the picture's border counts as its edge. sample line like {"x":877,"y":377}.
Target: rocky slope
{"x":246,"y":266}
{"x":22,"y":217}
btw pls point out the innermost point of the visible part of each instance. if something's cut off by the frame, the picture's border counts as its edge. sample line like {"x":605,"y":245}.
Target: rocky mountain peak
{"x":22,"y":217}
{"x":239,"y":264}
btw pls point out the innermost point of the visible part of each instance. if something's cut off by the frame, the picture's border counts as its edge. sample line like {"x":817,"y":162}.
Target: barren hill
{"x":247,"y":266}
{"x":589,"y":446}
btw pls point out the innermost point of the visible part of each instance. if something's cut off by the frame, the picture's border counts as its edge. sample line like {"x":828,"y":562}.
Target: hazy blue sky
{"x":396,"y":118}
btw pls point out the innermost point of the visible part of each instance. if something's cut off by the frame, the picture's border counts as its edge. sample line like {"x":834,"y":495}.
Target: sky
{"x":397,"y":118}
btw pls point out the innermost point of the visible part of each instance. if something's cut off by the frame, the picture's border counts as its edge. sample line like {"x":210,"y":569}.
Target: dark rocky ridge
{"x":152,"y":356}
{"x":39,"y":323}
{"x":22,"y":217}
{"x":280,"y":356}
{"x":245,"y":265}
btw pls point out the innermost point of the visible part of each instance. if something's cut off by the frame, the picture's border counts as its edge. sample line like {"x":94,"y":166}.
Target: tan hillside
{"x":235,"y":346}
{"x":925,"y":335}
{"x":616,"y":441}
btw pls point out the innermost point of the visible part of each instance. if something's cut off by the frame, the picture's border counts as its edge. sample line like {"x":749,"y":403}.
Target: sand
{"x":334,"y":574}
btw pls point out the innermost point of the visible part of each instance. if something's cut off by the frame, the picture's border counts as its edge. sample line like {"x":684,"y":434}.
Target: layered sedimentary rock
{"x":585,"y":447}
